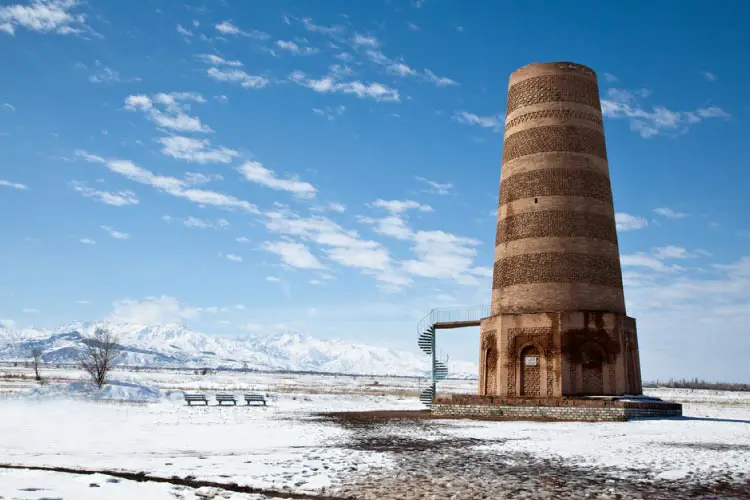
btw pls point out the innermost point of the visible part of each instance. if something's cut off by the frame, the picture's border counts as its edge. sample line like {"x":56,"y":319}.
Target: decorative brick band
{"x":553,"y":88}
{"x":554,"y":138}
{"x":555,"y":182}
{"x":560,"y":114}
{"x":556,"y":223}
{"x":556,"y":267}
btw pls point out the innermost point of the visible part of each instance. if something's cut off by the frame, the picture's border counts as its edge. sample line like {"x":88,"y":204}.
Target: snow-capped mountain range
{"x":176,"y":346}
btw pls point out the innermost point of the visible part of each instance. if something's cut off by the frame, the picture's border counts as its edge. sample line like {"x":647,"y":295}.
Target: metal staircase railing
{"x":426,"y":342}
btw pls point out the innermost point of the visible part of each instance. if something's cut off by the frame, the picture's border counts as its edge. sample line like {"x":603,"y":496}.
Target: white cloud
{"x":328,"y":84}
{"x":330,"y":207}
{"x":13,"y":185}
{"x":672,"y":252}
{"x":342,"y":246}
{"x":641,"y":259}
{"x":252,"y":327}
{"x":83,"y":302}
{"x":670,"y":214}
{"x":272,"y":279}
{"x":215,"y":60}
{"x":184,"y":31}
{"x":195,"y":222}
{"x":392,"y":225}
{"x":171,"y":185}
{"x":242,"y":239}
{"x":365,"y":40}
{"x":413,"y":27}
{"x":294,"y":254}
{"x":238,"y":76}
{"x":610,"y":78}
{"x":254,"y":171}
{"x":401,"y":206}
{"x":117,"y":199}
{"x":44,"y":16}
{"x":709,"y":76}
{"x":493,"y":122}
{"x":627,"y":222}
{"x":295,"y":48}
{"x":195,"y":150}
{"x":198,"y":178}
{"x":9,"y":106}
{"x":232,"y":257}
{"x":116,"y":234}
{"x":444,"y":255}
{"x":29,"y":310}
{"x":435,"y":187}
{"x":625,"y":104}
{"x":440,"y":81}
{"x":173,"y":115}
{"x":198,"y":223}
{"x":330,"y":112}
{"x":103,"y":74}
{"x":227,"y":28}
{"x":152,"y":311}
{"x":87,"y":241}
{"x":327,"y":30}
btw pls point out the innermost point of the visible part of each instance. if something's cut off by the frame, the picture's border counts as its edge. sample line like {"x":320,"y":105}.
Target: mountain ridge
{"x":177,"y":346}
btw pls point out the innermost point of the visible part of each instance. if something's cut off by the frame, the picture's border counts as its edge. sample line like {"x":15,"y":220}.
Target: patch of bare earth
{"x":433,"y":465}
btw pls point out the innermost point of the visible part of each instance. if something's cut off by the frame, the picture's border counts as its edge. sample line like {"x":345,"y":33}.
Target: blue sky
{"x":333,"y":167}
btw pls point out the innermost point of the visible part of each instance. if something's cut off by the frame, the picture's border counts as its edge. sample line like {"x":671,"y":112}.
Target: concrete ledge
{"x":608,"y":409}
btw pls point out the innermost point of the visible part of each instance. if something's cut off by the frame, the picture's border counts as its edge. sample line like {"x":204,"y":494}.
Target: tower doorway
{"x":530,"y":372}
{"x":592,"y":361}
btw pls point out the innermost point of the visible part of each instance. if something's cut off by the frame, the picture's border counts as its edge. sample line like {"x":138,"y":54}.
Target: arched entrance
{"x":530,"y":372}
{"x":490,"y":371}
{"x":592,"y":361}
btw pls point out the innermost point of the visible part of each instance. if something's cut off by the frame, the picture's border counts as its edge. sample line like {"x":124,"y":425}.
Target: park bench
{"x":255,"y":398}
{"x":196,"y":398}
{"x":226,"y":398}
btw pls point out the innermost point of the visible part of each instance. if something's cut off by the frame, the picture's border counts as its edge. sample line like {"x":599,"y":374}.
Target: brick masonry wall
{"x":555,"y":185}
{"x":612,"y":412}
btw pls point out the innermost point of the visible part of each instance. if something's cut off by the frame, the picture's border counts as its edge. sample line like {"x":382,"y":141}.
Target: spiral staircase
{"x":443,"y":319}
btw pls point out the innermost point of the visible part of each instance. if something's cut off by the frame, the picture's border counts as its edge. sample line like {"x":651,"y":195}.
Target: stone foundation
{"x":559,"y":354}
{"x":581,"y":409}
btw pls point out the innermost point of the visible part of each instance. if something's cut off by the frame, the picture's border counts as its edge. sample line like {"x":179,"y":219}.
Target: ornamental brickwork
{"x":558,"y":324}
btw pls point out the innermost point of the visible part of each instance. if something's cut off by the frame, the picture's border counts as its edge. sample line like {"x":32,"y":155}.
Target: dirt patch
{"x":710,"y":446}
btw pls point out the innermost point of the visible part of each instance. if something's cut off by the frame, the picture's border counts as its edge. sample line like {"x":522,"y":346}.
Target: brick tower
{"x":558,"y":325}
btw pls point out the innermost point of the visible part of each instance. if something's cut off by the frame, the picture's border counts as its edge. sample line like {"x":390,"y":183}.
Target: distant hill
{"x":176,"y":346}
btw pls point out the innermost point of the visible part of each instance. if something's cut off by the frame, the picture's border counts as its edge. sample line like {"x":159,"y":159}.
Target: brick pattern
{"x":555,"y":182}
{"x":559,"y":114}
{"x":556,"y":223}
{"x":593,"y":381}
{"x":530,"y":375}
{"x":556,"y":267}
{"x":569,"y":413}
{"x":553,"y":88}
{"x":553,"y":138}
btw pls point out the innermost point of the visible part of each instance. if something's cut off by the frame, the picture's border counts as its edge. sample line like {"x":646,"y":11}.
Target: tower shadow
{"x":709,"y":419}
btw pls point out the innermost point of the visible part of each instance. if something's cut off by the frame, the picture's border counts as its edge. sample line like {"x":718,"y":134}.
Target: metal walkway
{"x":459,"y":317}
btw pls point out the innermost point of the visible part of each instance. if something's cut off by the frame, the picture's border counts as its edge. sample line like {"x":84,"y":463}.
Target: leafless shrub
{"x":98,"y":357}
{"x":36,"y":360}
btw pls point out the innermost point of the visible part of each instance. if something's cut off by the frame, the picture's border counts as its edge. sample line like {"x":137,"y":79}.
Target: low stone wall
{"x":595,"y":409}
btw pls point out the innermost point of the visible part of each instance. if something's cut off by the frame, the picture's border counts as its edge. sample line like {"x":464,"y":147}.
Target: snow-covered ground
{"x":285,"y":447}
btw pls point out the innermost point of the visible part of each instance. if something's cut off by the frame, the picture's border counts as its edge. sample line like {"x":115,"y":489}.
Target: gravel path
{"x":437,"y":466}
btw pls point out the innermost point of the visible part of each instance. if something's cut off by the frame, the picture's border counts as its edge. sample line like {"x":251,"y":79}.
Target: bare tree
{"x":98,"y":356}
{"x":36,"y":359}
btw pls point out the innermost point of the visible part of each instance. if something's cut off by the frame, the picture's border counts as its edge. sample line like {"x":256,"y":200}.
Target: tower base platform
{"x":592,"y":409}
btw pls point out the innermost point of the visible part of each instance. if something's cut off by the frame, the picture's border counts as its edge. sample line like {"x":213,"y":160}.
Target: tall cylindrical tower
{"x":556,"y":245}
